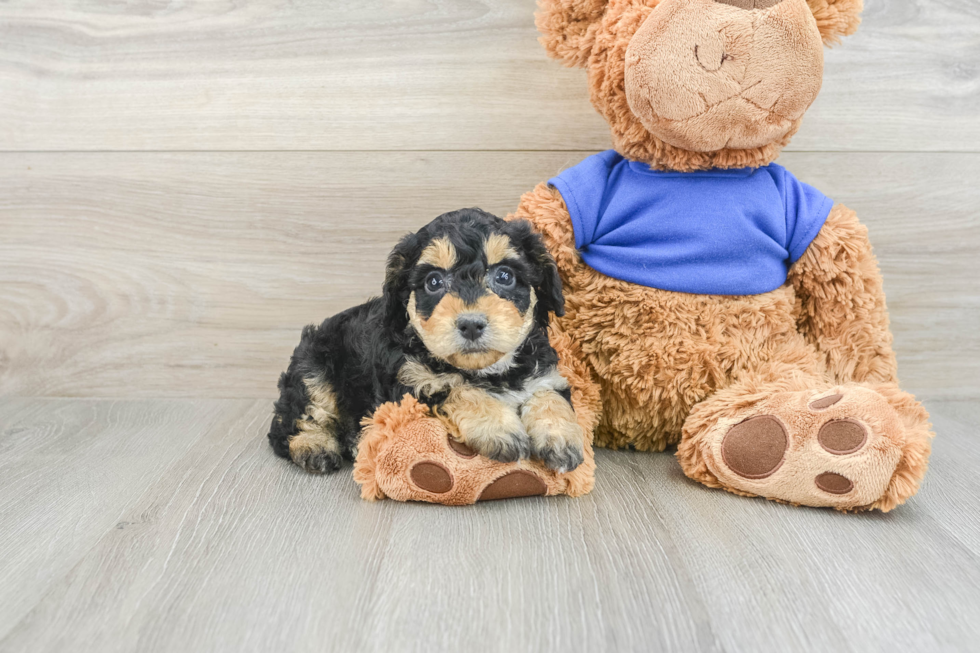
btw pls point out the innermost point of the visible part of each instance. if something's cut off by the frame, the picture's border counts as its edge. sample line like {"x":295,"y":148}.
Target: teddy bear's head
{"x":696,"y":84}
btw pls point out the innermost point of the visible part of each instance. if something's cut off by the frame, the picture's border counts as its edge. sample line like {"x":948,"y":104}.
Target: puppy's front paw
{"x":561,"y":456}
{"x":320,"y":462}
{"x":491,"y":428}
{"x":557,"y":439}
{"x":315,"y":453}
{"x":504,"y":448}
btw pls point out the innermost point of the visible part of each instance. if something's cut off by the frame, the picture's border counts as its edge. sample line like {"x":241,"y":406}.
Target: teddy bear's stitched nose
{"x":750,"y":4}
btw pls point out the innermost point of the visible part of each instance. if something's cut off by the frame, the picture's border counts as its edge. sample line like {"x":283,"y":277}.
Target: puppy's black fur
{"x":347,"y":366}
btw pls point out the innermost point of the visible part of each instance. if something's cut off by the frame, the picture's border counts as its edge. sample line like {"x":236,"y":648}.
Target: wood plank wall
{"x":183,"y":185}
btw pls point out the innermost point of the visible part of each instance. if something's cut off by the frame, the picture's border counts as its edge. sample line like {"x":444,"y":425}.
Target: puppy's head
{"x":472,"y":287}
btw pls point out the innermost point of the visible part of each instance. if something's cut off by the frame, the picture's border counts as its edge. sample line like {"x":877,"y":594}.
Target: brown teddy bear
{"x":713,"y":301}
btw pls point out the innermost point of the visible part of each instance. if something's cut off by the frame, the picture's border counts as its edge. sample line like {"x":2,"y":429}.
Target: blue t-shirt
{"x":717,"y":232}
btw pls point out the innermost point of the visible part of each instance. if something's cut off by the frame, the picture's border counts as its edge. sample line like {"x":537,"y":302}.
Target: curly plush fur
{"x":399,"y":437}
{"x":668,"y":366}
{"x":462,"y":326}
{"x":595,"y":34}
{"x":813,"y":358}
{"x":791,"y":395}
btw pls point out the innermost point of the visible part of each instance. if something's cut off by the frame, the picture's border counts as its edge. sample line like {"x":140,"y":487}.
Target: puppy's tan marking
{"x":438,"y":331}
{"x":509,"y":326}
{"x":439,"y":253}
{"x":552,"y":380}
{"x":315,"y":430}
{"x":497,"y":247}
{"x":311,"y":441}
{"x":506,"y":329}
{"x":550,"y":420}
{"x":322,"y":408}
{"x":485,"y":423}
{"x":424,"y":381}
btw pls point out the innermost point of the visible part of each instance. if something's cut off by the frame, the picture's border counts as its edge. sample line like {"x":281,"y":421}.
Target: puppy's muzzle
{"x":471,"y":326}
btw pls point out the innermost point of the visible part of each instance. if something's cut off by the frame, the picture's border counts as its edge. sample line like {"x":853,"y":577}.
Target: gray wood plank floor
{"x":183,"y":185}
{"x":193,"y":536}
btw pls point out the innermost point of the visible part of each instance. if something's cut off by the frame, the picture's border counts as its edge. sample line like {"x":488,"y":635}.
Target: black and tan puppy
{"x":462,"y":326}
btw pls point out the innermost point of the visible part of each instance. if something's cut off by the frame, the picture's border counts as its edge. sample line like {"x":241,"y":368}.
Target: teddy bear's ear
{"x":568,"y":28}
{"x":836,"y":18}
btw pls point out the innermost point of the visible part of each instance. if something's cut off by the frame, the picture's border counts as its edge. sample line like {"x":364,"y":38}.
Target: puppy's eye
{"x":504,"y":277}
{"x":434,"y":283}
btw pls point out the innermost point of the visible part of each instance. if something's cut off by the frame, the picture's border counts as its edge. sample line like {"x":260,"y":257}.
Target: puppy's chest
{"x":511,"y":390}
{"x":514,"y":398}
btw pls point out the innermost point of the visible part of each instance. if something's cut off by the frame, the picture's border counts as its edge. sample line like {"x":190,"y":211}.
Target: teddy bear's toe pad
{"x":838,"y":450}
{"x":461,"y":450}
{"x":825,"y":402}
{"x":452,"y":472}
{"x":406,"y":454}
{"x":834,"y":483}
{"x":842,"y":436}
{"x":515,"y":484}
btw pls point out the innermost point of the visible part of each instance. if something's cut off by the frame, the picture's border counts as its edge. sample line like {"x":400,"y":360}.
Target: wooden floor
{"x":168,"y":525}
{"x":185,"y":184}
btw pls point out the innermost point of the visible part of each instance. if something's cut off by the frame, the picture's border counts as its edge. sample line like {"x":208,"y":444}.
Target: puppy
{"x":462,"y":326}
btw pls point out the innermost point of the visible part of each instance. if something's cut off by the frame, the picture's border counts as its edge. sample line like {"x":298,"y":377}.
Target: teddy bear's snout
{"x":703,"y":76}
{"x":711,"y":54}
{"x":750,"y":4}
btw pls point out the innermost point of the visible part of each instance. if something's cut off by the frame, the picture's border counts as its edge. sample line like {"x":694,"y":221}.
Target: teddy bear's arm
{"x":545,"y":209}
{"x":841,"y":301}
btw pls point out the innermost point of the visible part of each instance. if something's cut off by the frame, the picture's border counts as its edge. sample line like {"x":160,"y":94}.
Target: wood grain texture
{"x":157,"y":274}
{"x":69,"y":470}
{"x":131,"y":269}
{"x":232,"y":549}
{"x":415,"y":75}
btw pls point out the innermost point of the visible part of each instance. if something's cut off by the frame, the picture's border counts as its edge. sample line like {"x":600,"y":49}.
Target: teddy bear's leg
{"x":841,"y":302}
{"x":804,"y":440}
{"x":408,"y":455}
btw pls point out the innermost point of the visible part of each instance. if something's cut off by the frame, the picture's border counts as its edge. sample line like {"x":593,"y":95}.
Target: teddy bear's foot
{"x":407,"y":455}
{"x":849,"y":447}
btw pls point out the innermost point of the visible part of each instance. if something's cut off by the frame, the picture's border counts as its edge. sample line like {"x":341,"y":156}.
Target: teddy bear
{"x":713,"y":302}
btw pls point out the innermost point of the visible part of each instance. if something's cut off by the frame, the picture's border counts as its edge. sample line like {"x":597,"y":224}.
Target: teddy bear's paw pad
{"x":838,"y":449}
{"x":461,"y":449}
{"x":520,"y":483}
{"x":431,"y":477}
{"x":756,"y":447}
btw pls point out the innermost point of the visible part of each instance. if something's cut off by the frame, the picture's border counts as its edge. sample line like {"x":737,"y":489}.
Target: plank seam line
{"x":438,"y":151}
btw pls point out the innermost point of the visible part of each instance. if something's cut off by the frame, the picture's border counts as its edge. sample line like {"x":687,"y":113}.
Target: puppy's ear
{"x":396,"y":292}
{"x":547,"y":285}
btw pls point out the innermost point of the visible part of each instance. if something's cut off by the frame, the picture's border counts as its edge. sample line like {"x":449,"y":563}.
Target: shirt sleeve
{"x":806,"y":211}
{"x":583,"y":188}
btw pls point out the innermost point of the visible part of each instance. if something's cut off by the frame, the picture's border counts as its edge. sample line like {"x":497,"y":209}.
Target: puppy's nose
{"x":471,"y":326}
{"x":750,"y":4}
